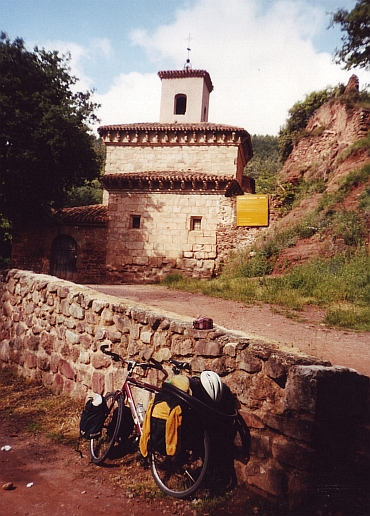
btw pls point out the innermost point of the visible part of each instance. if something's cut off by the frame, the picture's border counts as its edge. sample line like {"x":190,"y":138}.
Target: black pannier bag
{"x":92,"y":418}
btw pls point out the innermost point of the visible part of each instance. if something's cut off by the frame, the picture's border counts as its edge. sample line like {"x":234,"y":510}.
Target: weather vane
{"x":187,"y":65}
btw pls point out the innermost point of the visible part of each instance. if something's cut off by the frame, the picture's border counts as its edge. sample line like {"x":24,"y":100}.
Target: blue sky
{"x":262,"y":55}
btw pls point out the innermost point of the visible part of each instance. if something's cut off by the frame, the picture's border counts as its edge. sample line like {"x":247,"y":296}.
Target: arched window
{"x":180,"y":104}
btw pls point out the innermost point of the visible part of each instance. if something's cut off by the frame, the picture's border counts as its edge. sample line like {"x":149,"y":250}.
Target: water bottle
{"x":140,"y":412}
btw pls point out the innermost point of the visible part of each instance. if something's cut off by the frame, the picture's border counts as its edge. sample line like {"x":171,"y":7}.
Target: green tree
{"x":355,"y":51}
{"x":46,"y":147}
{"x":298,"y":117}
{"x":265,"y":163}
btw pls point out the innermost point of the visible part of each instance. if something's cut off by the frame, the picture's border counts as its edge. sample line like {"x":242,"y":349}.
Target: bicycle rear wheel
{"x":101,"y":447}
{"x":181,"y":475}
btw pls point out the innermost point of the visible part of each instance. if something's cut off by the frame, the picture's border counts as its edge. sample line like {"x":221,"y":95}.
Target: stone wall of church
{"x":211,"y":159}
{"x":166,"y":240}
{"x":169,"y":237}
{"x":306,"y":419}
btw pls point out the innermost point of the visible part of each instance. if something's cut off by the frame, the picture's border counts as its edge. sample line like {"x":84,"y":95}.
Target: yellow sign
{"x":252,"y":210}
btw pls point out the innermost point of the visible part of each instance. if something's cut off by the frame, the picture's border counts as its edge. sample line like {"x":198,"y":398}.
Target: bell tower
{"x":185,"y":96}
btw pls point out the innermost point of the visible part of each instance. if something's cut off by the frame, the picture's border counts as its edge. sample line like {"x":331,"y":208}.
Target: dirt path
{"x":63,"y":484}
{"x":344,"y":348}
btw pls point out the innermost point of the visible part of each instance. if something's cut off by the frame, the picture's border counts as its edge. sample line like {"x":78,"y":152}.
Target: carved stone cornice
{"x":170,"y":183}
{"x":160,"y":134}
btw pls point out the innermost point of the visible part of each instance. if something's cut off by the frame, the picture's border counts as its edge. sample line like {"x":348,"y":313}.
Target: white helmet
{"x":212,"y":384}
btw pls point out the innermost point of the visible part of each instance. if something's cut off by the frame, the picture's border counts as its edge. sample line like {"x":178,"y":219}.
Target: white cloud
{"x":133,"y":97}
{"x":261,"y":57}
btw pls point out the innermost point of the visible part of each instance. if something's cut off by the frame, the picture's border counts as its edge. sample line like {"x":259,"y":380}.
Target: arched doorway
{"x":63,"y":258}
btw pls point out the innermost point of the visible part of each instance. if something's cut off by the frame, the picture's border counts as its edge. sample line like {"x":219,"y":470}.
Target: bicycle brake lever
{"x":157,"y":364}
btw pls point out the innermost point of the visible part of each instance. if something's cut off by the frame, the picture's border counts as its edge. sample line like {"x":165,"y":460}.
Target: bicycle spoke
{"x":180,"y":476}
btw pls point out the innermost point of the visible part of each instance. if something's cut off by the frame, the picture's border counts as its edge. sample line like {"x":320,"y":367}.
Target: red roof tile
{"x":92,"y":214}
{"x":157,"y":126}
{"x":187,"y":72}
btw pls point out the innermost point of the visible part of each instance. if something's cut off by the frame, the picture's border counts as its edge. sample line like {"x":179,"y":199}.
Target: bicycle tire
{"x":101,"y":447}
{"x":181,"y":475}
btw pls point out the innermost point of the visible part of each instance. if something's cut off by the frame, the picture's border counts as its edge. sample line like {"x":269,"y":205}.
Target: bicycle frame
{"x":126,"y":390}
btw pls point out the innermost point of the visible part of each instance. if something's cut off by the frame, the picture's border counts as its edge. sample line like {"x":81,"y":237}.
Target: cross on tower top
{"x":187,"y":65}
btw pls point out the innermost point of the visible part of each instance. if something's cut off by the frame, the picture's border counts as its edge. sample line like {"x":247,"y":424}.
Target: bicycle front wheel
{"x":102,"y":447}
{"x":181,"y":475}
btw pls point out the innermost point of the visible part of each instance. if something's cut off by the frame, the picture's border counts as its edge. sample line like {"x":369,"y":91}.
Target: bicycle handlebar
{"x":144,"y":365}
{"x":152,"y":364}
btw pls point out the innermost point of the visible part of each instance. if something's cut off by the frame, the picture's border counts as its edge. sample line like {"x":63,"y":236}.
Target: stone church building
{"x":169,"y":204}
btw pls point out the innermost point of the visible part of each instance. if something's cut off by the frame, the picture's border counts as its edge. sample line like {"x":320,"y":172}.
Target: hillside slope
{"x":334,"y":148}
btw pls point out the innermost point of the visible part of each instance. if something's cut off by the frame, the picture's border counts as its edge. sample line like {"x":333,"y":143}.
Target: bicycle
{"x":178,"y":476}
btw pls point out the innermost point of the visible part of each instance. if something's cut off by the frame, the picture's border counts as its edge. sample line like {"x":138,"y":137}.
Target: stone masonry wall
{"x":303,"y":415}
{"x":165,"y":240}
{"x":31,"y":249}
{"x":206,"y":159}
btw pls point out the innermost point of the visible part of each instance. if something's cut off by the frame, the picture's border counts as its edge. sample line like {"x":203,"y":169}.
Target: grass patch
{"x":341,"y":285}
{"x":34,"y":427}
{"x":32,"y":406}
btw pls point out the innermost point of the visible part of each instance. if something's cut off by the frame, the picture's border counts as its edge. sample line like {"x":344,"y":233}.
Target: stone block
{"x":295,"y":427}
{"x":76,"y":311}
{"x":54,"y":363}
{"x":68,"y":387}
{"x":289,"y":451}
{"x":275,"y":367}
{"x":98,"y":382}
{"x":270,"y":479}
{"x":207,"y":348}
{"x":260,"y":443}
{"x":133,"y":347}
{"x":98,"y":305}
{"x":69,"y":323}
{"x":43,"y":362}
{"x":64,"y":306}
{"x":66,"y":369}
{"x":7,"y":309}
{"x":262,"y":351}
{"x":249,"y":363}
{"x":99,"y":360}
{"x":162,"y":354}
{"x":91,"y":317}
{"x":114,"y":335}
{"x":146,"y":336}
{"x":30,"y":360}
{"x":57,"y":385}
{"x":198,"y":364}
{"x":223,"y":365}
{"x":182,"y":346}
{"x":326,"y":392}
{"x":31,"y":342}
{"x":139,"y":315}
{"x":84,"y":357}
{"x":72,"y":338}
{"x":4,"y":350}
{"x":20,"y":328}
{"x":178,"y":326}
{"x":107,"y":317}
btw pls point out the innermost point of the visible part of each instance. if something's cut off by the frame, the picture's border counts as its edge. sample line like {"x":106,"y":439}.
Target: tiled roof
{"x":92,"y":214}
{"x":172,"y":176}
{"x":181,"y":182}
{"x":158,"y":126}
{"x":187,"y":72}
